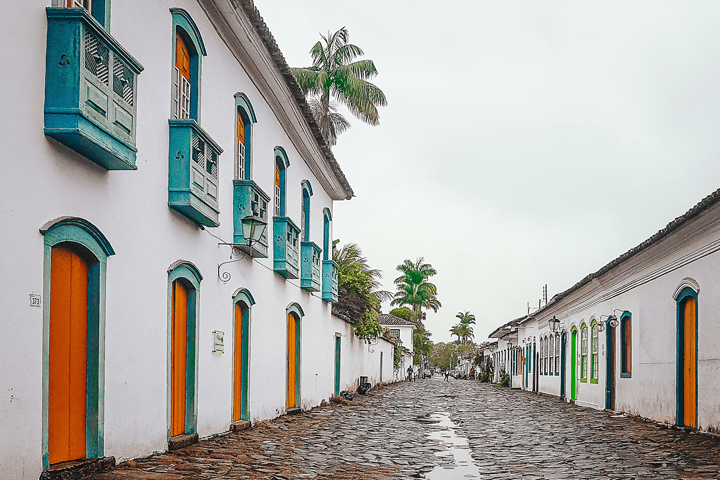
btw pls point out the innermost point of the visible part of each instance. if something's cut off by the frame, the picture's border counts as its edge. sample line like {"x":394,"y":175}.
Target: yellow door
{"x":292,"y":359}
{"x":689,"y":363}
{"x":178,"y":359}
{"x":67,"y":356}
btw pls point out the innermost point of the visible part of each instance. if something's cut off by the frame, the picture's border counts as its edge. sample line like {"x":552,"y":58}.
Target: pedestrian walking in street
{"x":447,"y":376}
{"x":410,"y":374}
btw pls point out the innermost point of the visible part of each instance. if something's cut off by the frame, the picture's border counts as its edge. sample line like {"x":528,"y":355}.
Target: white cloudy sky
{"x":524,"y":142}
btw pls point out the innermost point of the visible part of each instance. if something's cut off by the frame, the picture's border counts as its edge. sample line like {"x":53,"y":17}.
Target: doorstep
{"x":293,"y":411}
{"x":239,"y":425}
{"x":180,"y":441}
{"x":76,"y":469}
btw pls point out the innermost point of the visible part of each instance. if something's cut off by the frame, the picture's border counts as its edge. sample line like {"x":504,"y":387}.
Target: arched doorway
{"x":242,"y":301}
{"x":573,"y":364}
{"x":687,"y":358}
{"x":293,"y":359}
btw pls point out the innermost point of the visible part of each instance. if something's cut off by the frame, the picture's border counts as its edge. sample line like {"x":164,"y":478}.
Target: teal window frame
{"x":243,"y":297}
{"x":542,"y":352}
{"x":190,"y":275}
{"x":281,"y":160}
{"x":81,"y":235}
{"x":625,"y":347}
{"x":247,"y":112}
{"x":183,"y":23}
{"x":100,"y":11}
{"x":305,"y":210}
{"x":327,"y":218}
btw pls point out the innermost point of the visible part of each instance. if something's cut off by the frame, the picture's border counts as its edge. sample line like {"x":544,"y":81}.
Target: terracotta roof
{"x":279,"y":60}
{"x":387,"y":319}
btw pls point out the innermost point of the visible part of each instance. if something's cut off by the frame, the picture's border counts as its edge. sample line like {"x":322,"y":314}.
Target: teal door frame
{"x":338,"y":347}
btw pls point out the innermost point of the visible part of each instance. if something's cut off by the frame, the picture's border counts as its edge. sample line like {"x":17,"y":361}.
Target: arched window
{"x":327,"y":239}
{"x":245,"y":117}
{"x":583,"y":352}
{"x":183,"y":307}
{"x":542,"y":352}
{"x":551,"y":349}
{"x":281,"y":165}
{"x":305,"y":211}
{"x":188,"y":50}
{"x":557,"y":354}
{"x":594,"y":353}
{"x":626,"y":345}
{"x":76,"y":255}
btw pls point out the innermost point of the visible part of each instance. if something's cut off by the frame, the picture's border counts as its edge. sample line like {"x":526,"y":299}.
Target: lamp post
{"x":253,"y":230}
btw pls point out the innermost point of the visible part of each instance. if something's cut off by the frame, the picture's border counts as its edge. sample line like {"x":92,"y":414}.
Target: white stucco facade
{"x":649,"y":288}
{"x":48,"y":180}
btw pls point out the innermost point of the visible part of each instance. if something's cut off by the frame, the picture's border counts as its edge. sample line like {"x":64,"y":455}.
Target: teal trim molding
{"x":250,"y":199}
{"x":90,"y":89}
{"x":286,"y":247}
{"x":190,"y":275}
{"x":184,"y":25}
{"x":295,"y":308}
{"x":243,"y":295}
{"x":283,"y":163}
{"x":246,"y":301}
{"x":688,"y":291}
{"x":83,"y":237}
{"x":245,"y":110}
{"x":327,"y":218}
{"x":310,"y":266}
{"x":193,"y":173}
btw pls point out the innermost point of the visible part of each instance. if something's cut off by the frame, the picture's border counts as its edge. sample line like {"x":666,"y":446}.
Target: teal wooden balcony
{"x":310,"y":266}
{"x":330,"y":281}
{"x":90,"y":90}
{"x":193,"y":173}
{"x":286,"y":247}
{"x":249,"y":199}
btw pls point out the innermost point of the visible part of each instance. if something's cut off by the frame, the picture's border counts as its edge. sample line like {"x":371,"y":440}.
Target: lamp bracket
{"x":235,"y":251}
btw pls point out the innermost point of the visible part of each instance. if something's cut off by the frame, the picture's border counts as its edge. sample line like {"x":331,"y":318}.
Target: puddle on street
{"x":457,"y":447}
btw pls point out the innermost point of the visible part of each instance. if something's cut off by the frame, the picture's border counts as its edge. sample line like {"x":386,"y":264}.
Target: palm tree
{"x":414,"y":289}
{"x":455,"y":331}
{"x":466,"y":318}
{"x":334,"y":74}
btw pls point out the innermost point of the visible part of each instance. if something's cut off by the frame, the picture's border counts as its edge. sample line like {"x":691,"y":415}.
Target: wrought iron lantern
{"x":554,"y":324}
{"x":253,"y":229}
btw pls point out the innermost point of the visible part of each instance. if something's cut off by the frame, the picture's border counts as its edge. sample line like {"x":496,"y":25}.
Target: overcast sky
{"x":524,"y":142}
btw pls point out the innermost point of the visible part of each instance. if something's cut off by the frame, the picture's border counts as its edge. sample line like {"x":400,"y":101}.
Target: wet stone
{"x":394,"y":434}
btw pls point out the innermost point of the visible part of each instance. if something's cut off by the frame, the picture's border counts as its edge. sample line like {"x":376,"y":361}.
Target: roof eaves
{"x":278,"y":59}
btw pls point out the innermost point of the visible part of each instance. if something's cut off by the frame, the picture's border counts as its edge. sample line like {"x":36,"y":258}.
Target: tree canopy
{"x":336,"y":74}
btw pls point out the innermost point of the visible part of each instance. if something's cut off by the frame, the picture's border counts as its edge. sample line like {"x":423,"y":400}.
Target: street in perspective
{"x":433,"y":429}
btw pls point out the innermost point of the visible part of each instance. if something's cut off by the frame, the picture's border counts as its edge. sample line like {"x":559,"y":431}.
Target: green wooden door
{"x":337,"y":366}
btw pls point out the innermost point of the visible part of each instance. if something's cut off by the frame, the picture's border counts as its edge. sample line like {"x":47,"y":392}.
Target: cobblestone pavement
{"x":385,"y":435}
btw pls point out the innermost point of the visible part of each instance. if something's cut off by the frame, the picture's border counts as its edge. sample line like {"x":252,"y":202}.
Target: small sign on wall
{"x":218,"y":342}
{"x":35,"y":300}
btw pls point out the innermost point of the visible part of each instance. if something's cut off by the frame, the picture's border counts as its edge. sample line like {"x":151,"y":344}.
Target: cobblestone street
{"x":398,"y":432}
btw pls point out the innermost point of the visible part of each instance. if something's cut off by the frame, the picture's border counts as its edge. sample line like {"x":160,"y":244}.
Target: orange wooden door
{"x":178,"y":359}
{"x":237,"y":360}
{"x":240,"y":129}
{"x":689,"y":364}
{"x":68,"y":356}
{"x":182,"y":57}
{"x":292,"y":360}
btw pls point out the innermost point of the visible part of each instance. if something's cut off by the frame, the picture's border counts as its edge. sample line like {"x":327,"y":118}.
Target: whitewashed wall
{"x":47,"y":180}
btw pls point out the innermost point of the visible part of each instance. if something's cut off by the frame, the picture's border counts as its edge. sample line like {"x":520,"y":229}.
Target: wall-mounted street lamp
{"x":612,"y":320}
{"x":253,"y":230}
{"x":555,"y":326}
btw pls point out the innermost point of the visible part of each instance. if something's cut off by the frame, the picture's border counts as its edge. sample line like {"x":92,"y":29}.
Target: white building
{"x":147,"y":139}
{"x":638,"y":335}
{"x":403,"y":331}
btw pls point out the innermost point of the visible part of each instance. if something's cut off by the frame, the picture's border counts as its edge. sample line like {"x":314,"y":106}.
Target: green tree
{"x":359,"y":294}
{"x":335,"y":74}
{"x":402,"y":312}
{"x":414,"y":289}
